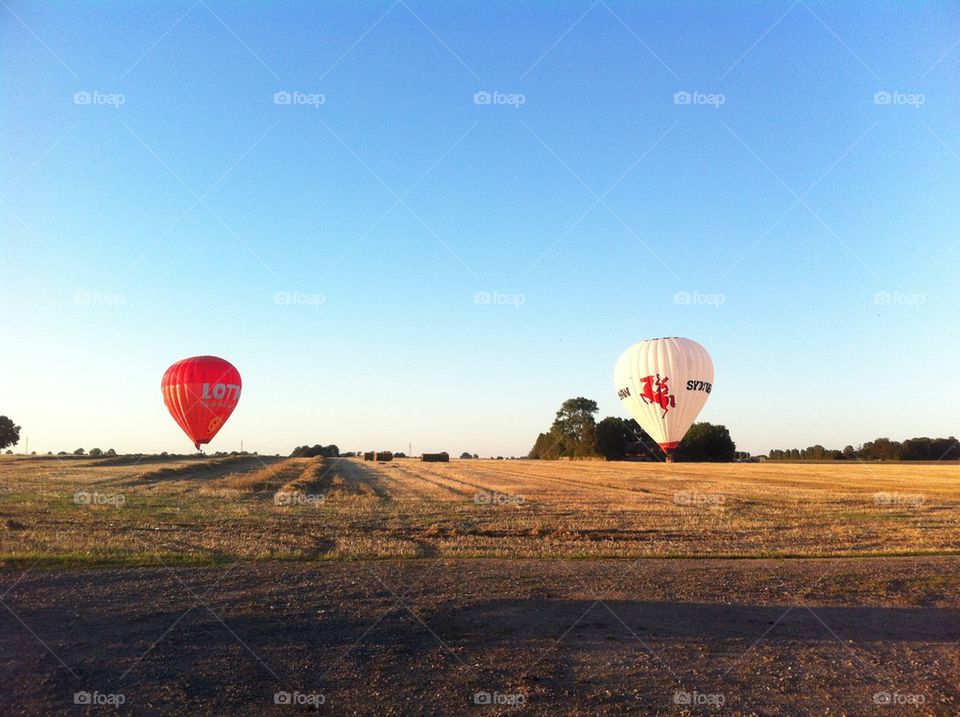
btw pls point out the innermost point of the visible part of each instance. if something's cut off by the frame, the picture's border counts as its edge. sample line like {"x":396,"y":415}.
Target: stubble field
{"x":124,"y":510}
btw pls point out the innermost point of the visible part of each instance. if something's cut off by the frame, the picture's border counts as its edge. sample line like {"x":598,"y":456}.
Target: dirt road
{"x":440,"y":637}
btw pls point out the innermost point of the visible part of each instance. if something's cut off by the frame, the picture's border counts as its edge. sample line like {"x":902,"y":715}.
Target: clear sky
{"x":799,"y":225}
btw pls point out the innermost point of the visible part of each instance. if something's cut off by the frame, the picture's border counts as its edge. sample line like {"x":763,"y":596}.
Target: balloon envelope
{"x":201,"y":393}
{"x":664,"y":383}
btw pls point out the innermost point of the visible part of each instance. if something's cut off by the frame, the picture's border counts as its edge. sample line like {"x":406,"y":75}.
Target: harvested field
{"x":249,"y":508}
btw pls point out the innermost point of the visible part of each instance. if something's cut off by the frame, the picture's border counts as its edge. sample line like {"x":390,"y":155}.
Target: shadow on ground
{"x":426,"y":637}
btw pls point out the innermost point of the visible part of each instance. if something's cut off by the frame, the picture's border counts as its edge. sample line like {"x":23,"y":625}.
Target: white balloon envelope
{"x":663,"y":383}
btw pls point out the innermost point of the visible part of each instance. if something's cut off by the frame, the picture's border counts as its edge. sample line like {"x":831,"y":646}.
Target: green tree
{"x":944,"y":449}
{"x":572,"y":434}
{"x":706,"y":442}
{"x":613,"y":437}
{"x":575,"y":419}
{"x":916,"y":449}
{"x":548,"y":446}
{"x":815,"y":453}
{"x":9,"y":433}
{"x":619,"y":438}
{"x":882,"y":449}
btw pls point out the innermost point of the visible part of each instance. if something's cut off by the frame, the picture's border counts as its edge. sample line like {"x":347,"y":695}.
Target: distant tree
{"x":915,"y":449}
{"x":929,"y":449}
{"x":882,"y":449}
{"x":111,"y":452}
{"x":945,"y":449}
{"x":61,"y":453}
{"x":572,"y":434}
{"x":315,"y":450}
{"x":466,"y":456}
{"x":399,"y":455}
{"x":849,"y":452}
{"x":78,"y":452}
{"x":613,"y":437}
{"x":95,"y":452}
{"x":815,"y":453}
{"x":9,"y":433}
{"x":706,"y":442}
{"x":575,"y":421}
{"x":9,"y":452}
{"x":547,"y":447}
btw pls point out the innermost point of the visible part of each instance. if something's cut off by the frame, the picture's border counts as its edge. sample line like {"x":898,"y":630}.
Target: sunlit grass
{"x":216,"y":511}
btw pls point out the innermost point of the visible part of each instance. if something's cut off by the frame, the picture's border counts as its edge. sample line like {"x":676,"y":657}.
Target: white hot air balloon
{"x":664,"y":383}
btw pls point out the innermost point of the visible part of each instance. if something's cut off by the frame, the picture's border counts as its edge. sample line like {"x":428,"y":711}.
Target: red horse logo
{"x":656,"y":390}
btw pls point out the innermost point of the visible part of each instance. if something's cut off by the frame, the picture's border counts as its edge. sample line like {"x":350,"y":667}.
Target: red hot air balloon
{"x":201,"y":393}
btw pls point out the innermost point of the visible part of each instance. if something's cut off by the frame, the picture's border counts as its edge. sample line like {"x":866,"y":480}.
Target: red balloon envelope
{"x":201,"y":393}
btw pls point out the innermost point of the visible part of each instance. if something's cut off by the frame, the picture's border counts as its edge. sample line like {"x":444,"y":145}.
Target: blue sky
{"x":801,"y":226}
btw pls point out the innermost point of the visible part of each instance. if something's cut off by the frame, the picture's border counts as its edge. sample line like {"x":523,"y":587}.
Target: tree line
{"x":575,"y":433}
{"x":331,"y":451}
{"x":880,"y":449}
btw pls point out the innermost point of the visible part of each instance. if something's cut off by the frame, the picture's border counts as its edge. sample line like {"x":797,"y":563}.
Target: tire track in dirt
{"x":346,"y":477}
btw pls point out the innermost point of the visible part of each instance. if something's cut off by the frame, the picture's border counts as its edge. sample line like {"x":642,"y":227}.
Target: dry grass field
{"x":123,"y":511}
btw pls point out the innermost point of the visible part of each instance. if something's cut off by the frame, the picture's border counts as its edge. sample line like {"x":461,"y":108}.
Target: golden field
{"x":127,"y":510}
